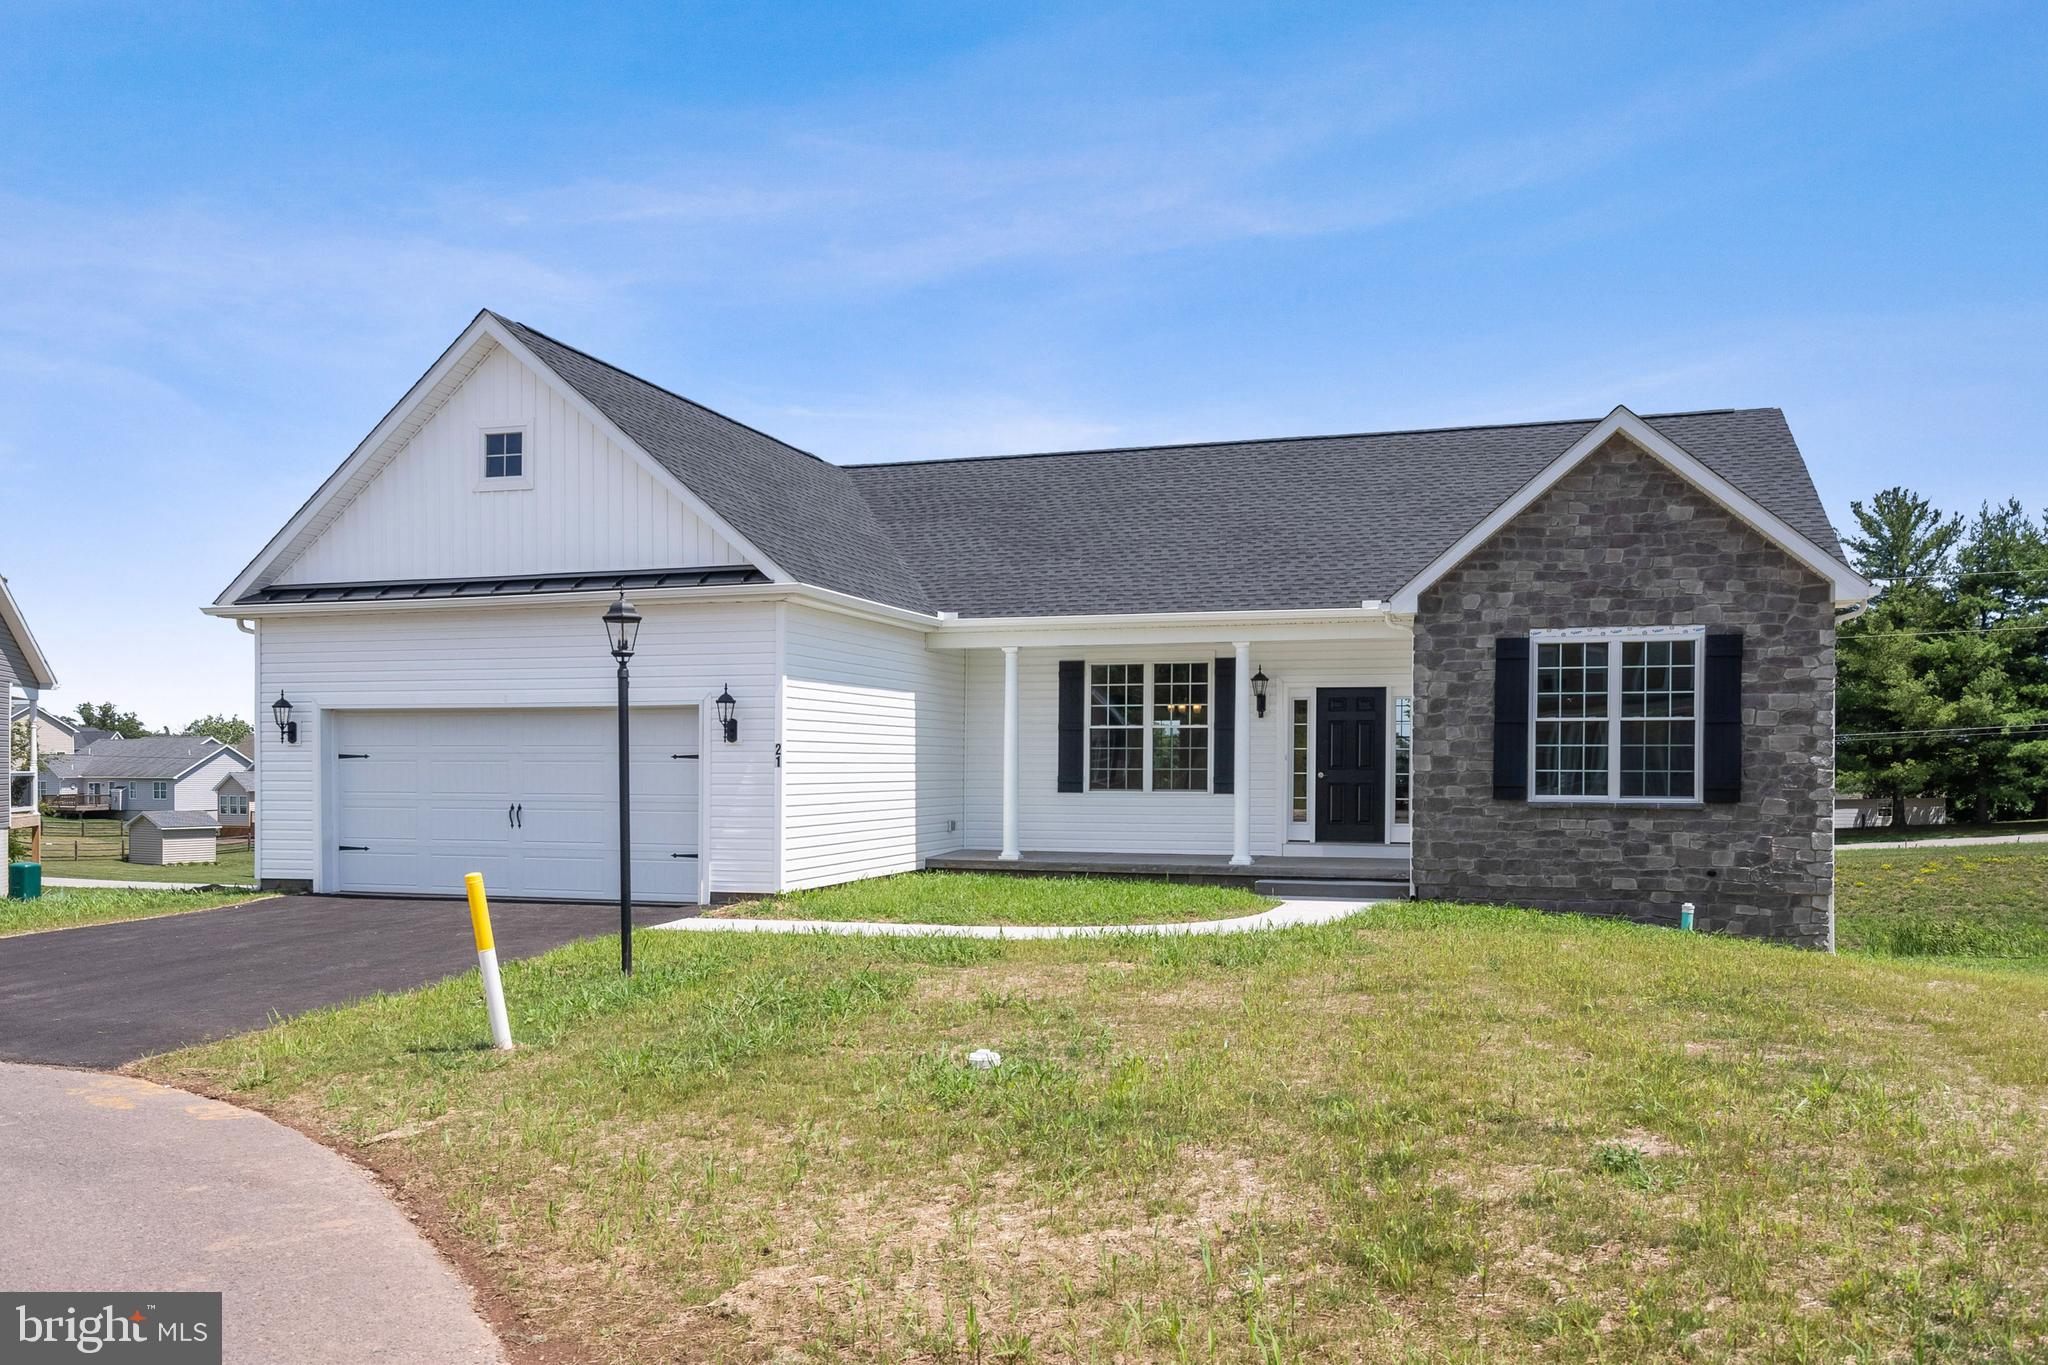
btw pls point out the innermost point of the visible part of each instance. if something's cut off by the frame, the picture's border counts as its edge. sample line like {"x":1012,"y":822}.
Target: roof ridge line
{"x":661,"y":388}
{"x":1283,"y":440}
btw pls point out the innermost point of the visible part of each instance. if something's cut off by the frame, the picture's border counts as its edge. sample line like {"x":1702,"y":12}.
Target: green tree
{"x":1953,"y":641}
{"x":226,"y":729}
{"x":1903,"y":538}
{"x":106,"y":716}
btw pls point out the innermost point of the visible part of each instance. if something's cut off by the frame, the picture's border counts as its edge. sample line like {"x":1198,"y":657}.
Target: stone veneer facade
{"x":1623,"y":541}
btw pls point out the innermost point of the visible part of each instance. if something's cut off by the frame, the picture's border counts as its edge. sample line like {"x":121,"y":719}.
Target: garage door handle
{"x":519,"y":815}
{"x":510,"y":823}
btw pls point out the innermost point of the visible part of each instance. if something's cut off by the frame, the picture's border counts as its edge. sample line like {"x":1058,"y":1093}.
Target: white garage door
{"x":528,"y":798}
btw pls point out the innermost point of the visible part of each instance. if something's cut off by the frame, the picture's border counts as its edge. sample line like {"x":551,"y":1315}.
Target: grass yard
{"x":1430,"y":1132}
{"x":1989,"y":902}
{"x":63,"y":907}
{"x":234,"y":866}
{"x":994,"y":898}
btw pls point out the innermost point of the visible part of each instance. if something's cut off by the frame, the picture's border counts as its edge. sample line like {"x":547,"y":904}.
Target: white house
{"x":1209,"y":659}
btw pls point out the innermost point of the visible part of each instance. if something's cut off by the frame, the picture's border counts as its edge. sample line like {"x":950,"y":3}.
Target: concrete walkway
{"x":148,"y":886}
{"x":1286,"y":915}
{"x":111,"y":1183}
{"x":1964,"y":841}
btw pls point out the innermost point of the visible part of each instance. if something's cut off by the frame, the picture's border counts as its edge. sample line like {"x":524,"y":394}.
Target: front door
{"x":1351,"y":746}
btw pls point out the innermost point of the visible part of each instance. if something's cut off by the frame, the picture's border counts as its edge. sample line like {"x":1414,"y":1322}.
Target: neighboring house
{"x":24,"y":672}
{"x":54,"y":734}
{"x":160,"y":772}
{"x":1577,"y":664}
{"x":234,"y":798}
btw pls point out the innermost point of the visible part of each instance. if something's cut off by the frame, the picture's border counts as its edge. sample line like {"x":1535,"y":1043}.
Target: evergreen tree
{"x":1904,"y":538}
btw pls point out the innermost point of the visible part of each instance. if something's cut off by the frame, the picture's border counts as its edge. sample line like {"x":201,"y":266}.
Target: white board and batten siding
{"x":873,"y":749}
{"x":1050,"y":820}
{"x":592,"y":506}
{"x":501,"y":657}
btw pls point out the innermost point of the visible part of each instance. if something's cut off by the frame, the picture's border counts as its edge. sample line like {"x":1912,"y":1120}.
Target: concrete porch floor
{"x":1385,"y":871}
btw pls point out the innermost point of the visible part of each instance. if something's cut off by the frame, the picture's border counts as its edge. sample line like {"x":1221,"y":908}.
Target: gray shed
{"x":160,"y":838}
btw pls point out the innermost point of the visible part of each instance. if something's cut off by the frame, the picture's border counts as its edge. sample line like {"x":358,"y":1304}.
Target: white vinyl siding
{"x":152,"y":847}
{"x":595,"y":507}
{"x":1050,"y":820}
{"x":872,"y":749}
{"x":493,"y":657}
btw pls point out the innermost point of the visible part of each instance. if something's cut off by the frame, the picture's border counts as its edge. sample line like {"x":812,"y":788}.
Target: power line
{"x":1960,"y":630}
{"x":1951,"y":731}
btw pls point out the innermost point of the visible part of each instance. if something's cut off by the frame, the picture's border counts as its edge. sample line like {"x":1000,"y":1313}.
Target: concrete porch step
{"x":1327,"y":888}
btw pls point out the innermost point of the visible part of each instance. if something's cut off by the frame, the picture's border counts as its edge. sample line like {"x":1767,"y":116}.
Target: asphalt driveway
{"x":105,"y":994}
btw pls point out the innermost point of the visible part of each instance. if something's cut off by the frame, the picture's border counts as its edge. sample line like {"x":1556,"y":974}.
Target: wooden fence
{"x":71,"y":848}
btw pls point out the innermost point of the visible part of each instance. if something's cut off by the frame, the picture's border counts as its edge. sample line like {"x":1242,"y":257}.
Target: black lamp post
{"x":622,"y":628}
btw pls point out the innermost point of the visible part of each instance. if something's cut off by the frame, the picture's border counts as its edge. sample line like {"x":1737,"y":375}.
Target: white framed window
{"x":159,"y":791}
{"x":1149,"y":727}
{"x":234,"y":803}
{"x":506,"y":462}
{"x":1615,"y":714}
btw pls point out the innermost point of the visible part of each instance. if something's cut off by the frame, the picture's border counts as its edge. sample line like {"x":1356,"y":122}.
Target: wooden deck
{"x":1384,"y":874}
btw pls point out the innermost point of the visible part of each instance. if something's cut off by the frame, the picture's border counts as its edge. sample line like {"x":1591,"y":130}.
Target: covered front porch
{"x":1375,"y":876}
{"x":1225,"y":747}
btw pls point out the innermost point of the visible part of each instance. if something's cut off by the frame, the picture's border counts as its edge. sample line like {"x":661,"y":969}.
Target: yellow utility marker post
{"x":487,"y":962}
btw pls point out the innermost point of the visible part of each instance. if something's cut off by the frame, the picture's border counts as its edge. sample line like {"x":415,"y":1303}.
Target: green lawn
{"x":238,"y":866}
{"x":993,"y":898}
{"x":1429,"y":1132}
{"x":1931,"y":902}
{"x":62,"y":907}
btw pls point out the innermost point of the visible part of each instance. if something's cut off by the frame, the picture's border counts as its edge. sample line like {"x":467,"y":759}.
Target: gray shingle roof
{"x":1325,"y":521}
{"x":1297,"y":522}
{"x":158,"y":756}
{"x":799,"y":510}
{"x":178,"y":819}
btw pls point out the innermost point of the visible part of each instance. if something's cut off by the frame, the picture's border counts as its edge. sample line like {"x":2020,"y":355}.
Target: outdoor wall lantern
{"x":287,"y":728}
{"x":1259,"y":681}
{"x":727,"y":720}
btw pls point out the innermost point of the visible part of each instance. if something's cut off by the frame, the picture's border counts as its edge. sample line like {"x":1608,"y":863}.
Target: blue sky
{"x":231,"y":236}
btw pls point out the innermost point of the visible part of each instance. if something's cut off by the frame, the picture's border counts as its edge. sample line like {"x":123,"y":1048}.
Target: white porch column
{"x":1010,"y":851}
{"x":1241,"y":772}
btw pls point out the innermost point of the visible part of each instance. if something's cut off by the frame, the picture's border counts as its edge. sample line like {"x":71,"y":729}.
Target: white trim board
{"x":10,"y":613}
{"x":1849,"y":586}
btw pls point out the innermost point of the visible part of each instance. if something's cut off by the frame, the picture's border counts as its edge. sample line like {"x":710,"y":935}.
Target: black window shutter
{"x":1073,"y":724}
{"x":1511,"y":718}
{"x":1721,"y":737}
{"x":1223,"y":684}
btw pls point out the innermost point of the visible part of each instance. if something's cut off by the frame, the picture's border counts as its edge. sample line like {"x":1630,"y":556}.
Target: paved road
{"x":111,"y":1183}
{"x":1960,"y":841}
{"x":89,"y":883}
{"x":106,"y":994}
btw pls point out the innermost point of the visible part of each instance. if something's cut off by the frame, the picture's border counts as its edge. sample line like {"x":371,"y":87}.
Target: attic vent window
{"x":504,"y":455}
